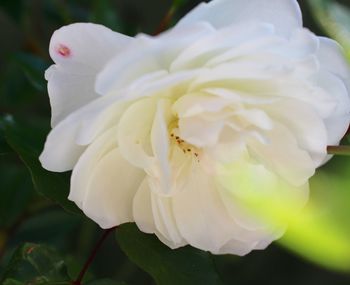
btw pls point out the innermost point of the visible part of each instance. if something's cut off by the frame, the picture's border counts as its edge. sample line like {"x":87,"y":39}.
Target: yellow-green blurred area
{"x":316,"y":222}
{"x":315,"y":249}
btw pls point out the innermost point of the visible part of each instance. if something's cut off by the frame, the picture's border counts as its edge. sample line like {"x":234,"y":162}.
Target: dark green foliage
{"x":37,"y":265}
{"x":106,"y":282}
{"x":184,"y":266}
{"x":27,"y":141}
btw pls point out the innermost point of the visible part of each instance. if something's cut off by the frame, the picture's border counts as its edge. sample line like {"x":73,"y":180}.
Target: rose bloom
{"x":167,"y":131}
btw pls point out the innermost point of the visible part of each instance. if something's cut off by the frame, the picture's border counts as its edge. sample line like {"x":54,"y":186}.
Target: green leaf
{"x":104,"y":12}
{"x":12,"y":7}
{"x":12,"y":282}
{"x":36,"y":265}
{"x":4,"y":147}
{"x":15,"y":192}
{"x":185,"y":266}
{"x":27,"y":141}
{"x":33,"y":67}
{"x":334,"y":18}
{"x":106,"y":282}
{"x":179,"y":3}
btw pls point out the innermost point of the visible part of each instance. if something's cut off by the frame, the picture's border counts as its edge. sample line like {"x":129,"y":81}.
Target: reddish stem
{"x":164,"y":24}
{"x":92,"y":256}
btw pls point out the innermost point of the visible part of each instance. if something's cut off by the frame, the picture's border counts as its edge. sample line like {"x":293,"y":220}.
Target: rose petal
{"x":284,"y":15}
{"x":144,"y":211}
{"x":87,"y":162}
{"x":68,"y":139}
{"x":283,"y":156}
{"x":79,"y":51}
{"x":306,"y":125}
{"x":208,"y":226}
{"x":331,"y":56}
{"x":147,"y":55}
{"x":111,"y":190}
{"x":133,"y":133}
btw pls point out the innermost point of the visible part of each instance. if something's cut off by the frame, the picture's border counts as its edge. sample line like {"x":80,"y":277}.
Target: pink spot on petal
{"x":63,"y":50}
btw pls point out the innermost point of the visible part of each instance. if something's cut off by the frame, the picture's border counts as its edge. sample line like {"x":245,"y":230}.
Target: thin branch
{"x":164,"y":24}
{"x":92,"y":256}
{"x":339,"y":150}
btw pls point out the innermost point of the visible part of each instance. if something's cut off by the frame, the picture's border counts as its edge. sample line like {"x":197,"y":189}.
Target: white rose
{"x":150,"y":125}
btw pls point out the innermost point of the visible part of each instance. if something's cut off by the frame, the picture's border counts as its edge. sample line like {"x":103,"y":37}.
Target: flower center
{"x":186,"y":148}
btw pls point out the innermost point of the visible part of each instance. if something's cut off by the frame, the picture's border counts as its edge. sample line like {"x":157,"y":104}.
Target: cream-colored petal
{"x":134,"y":132}
{"x":198,"y":53}
{"x":203,"y":220}
{"x":150,"y":216}
{"x":80,"y":51}
{"x":196,"y":103}
{"x":162,"y":209}
{"x":249,"y":190}
{"x":147,"y":55}
{"x":68,"y":90}
{"x":337,"y":123}
{"x":337,"y":90}
{"x":285,"y":15}
{"x":300,"y":45}
{"x":282,"y":155}
{"x":160,"y":137}
{"x":86,"y":44}
{"x":199,"y":131}
{"x":66,"y":142}
{"x":60,"y":151}
{"x":87,"y":162}
{"x":306,"y":125}
{"x":331,"y":56}
{"x":112,"y":185}
{"x":142,"y":208}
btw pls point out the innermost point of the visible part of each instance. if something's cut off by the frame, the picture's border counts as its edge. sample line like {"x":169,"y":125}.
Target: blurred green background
{"x":26,"y":216}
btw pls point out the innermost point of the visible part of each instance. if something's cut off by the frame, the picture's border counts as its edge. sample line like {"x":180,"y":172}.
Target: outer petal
{"x":216,"y":43}
{"x":60,"y":151}
{"x":250,"y":189}
{"x":332,"y":58}
{"x":165,"y":223}
{"x":69,"y":138}
{"x":146,"y":209}
{"x":103,"y":184}
{"x":92,"y":155}
{"x":112,"y":187}
{"x":147,"y":57}
{"x":307,"y":126}
{"x":282,"y":155}
{"x":284,"y":14}
{"x":338,"y":121}
{"x":204,"y":222}
{"x":335,"y":79}
{"x":79,"y":51}
{"x":142,"y":208}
